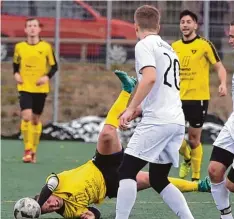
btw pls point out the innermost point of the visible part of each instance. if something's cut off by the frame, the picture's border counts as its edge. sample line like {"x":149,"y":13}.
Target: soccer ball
{"x":26,"y":208}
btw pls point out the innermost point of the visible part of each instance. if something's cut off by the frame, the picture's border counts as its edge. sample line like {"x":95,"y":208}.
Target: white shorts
{"x":157,"y":143}
{"x":225,"y":139}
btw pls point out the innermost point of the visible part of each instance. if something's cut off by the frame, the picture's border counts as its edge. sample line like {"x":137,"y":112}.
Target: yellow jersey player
{"x":196,"y":54}
{"x":34,"y":64}
{"x":70,"y":193}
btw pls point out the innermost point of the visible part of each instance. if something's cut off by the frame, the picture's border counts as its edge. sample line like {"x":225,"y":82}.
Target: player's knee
{"x":35,"y":119}
{"x":158,"y":183}
{"x":26,"y":115}
{"x":106,"y":134}
{"x":142,"y":180}
{"x":194,"y":141}
{"x":194,"y":138}
{"x":216,"y":171}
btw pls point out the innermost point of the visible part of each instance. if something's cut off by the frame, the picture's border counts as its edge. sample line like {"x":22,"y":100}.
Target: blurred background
{"x":92,"y":38}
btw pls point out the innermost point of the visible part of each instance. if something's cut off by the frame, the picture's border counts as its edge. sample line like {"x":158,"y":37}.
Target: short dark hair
{"x":147,"y":17}
{"x":232,"y":23}
{"x":189,"y":13}
{"x":32,"y":19}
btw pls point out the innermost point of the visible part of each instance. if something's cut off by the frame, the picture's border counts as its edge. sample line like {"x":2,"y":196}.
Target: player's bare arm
{"x":18,"y":78}
{"x":222,"y":77}
{"x":137,"y":113}
{"x":144,"y":87}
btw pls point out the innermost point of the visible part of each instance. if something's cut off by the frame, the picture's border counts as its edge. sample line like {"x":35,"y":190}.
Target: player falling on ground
{"x":196,"y":54}
{"x":222,"y":157}
{"x":157,"y":138}
{"x":34,"y":64}
{"x":70,"y":193}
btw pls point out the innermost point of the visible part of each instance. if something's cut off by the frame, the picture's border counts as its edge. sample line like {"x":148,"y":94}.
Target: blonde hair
{"x":147,"y":17}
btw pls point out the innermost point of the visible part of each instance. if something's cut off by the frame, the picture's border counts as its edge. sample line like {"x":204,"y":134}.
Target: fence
{"x":84,"y":82}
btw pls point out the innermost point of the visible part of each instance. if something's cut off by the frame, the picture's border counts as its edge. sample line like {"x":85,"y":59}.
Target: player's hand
{"x":18,"y":78}
{"x":88,"y":215}
{"x":137,"y":113}
{"x":125,"y":118}
{"x":222,"y":90}
{"x":42,"y":80}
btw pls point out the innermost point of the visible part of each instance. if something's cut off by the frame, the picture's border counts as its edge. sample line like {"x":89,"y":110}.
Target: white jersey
{"x":162,"y":105}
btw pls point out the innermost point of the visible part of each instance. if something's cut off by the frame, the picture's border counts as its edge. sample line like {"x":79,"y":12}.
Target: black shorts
{"x":34,"y":101}
{"x":195,"y":112}
{"x":222,"y":156}
{"x":109,"y":166}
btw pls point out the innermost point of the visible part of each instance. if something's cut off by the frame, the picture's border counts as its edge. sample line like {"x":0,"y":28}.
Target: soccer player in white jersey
{"x":222,"y":157}
{"x":157,"y":138}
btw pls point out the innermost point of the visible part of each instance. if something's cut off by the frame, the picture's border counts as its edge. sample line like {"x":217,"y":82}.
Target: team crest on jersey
{"x":194,"y":51}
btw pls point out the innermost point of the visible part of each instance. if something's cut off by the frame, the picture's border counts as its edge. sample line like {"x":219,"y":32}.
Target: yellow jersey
{"x":195,"y":57}
{"x":79,"y":188}
{"x":34,"y":62}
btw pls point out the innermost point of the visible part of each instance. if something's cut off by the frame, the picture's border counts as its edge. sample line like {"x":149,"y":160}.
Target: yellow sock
{"x":184,"y":185}
{"x":196,"y":159}
{"x":185,"y":150}
{"x":25,"y":126}
{"x":117,"y":108}
{"x":35,"y":134}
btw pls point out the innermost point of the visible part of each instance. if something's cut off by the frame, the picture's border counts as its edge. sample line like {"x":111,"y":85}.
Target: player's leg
{"x":196,"y":113}
{"x":25,"y":100}
{"x":36,"y":125}
{"x":182,"y":184}
{"x":168,"y":155}
{"x":185,"y":149}
{"x":127,"y":190}
{"x":109,"y":154}
{"x":130,"y":167}
{"x":108,"y":141}
{"x":220,"y":160}
{"x":169,"y":193}
{"x":145,"y":145}
{"x":194,"y":135}
{"x":203,"y":185}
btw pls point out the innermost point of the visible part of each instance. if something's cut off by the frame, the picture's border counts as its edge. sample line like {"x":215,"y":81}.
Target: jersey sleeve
{"x":211,"y":53}
{"x":16,"y":56}
{"x":51,"y":57}
{"x":52,"y":183}
{"x":144,"y":57}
